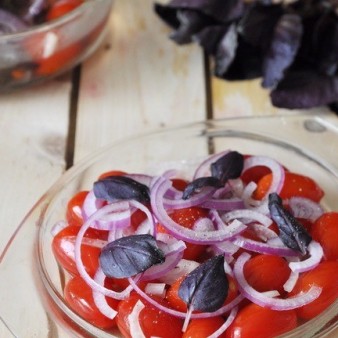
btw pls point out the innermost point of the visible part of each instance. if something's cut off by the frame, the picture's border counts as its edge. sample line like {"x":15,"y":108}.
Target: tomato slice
{"x":325,"y":275}
{"x":294,"y":185}
{"x":112,"y":173}
{"x":79,"y":297}
{"x":63,"y":249}
{"x":256,"y":321}
{"x":153,"y":322}
{"x":62,"y":7}
{"x":201,"y":328}
{"x":74,"y":207}
{"x":325,"y":231}
{"x":267,"y":273}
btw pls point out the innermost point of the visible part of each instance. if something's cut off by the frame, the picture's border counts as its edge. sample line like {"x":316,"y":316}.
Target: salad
{"x":28,"y":53}
{"x":243,"y":248}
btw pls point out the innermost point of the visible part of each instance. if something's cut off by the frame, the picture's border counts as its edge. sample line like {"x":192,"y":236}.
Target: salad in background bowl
{"x":54,"y":282}
{"x":41,"y":39}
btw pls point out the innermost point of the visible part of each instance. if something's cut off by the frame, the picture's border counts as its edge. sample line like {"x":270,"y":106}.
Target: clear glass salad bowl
{"x":31,"y":283}
{"x":49,"y":49}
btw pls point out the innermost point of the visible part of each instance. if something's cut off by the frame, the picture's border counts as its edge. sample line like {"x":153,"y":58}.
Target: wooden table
{"x":137,"y":81}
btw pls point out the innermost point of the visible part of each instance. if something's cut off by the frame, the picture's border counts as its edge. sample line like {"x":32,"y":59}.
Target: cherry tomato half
{"x":63,"y":249}
{"x":62,"y":7}
{"x":325,"y":231}
{"x":201,"y":328}
{"x":325,"y":275}
{"x":79,"y":297}
{"x":74,"y":207}
{"x":153,"y":322}
{"x":256,"y":321}
{"x":294,"y":185}
{"x":267,"y":272}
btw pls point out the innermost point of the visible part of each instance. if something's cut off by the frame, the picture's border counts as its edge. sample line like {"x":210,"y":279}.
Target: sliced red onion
{"x":183,"y":267}
{"x":223,"y":204}
{"x":226,"y":308}
{"x":291,"y":281}
{"x":77,"y":251}
{"x":173,"y":254}
{"x":264,"y":248}
{"x":278,"y":176}
{"x":90,"y":205}
{"x":156,"y":289}
{"x":100,"y":299}
{"x":189,"y":235}
{"x":226,"y":324}
{"x":247,"y":216}
{"x":315,"y":256}
{"x":204,"y":224}
{"x":134,"y":321}
{"x":227,"y":248}
{"x":302,"y":207}
{"x":264,"y":301}
{"x":248,"y":191}
{"x":10,"y":23}
{"x":194,"y":200}
{"x":236,"y":186}
{"x":263,"y":232}
{"x":204,"y":168}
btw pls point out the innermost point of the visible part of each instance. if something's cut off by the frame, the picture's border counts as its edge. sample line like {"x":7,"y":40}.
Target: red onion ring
{"x":247,"y":216}
{"x":264,"y":301}
{"x":99,"y":298}
{"x":134,"y":321}
{"x":189,"y":235}
{"x":305,"y":208}
{"x":226,"y":324}
{"x":226,"y":308}
{"x":315,"y":255}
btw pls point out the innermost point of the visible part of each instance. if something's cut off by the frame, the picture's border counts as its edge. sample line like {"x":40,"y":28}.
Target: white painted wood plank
{"x":33,"y":130}
{"x":143,"y":80}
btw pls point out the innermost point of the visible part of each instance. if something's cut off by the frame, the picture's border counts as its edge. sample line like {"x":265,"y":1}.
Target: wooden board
{"x":142,"y":82}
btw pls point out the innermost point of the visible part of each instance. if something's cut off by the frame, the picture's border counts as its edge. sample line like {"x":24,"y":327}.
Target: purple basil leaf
{"x":190,"y":23}
{"x":227,"y":167}
{"x":226,"y":51}
{"x":205,"y":288}
{"x":291,"y":232}
{"x":200,"y":183}
{"x":114,"y":188}
{"x":220,"y":10}
{"x":209,"y":38}
{"x":325,"y":41}
{"x":283,"y":49}
{"x":257,"y":24}
{"x":128,"y":256}
{"x":242,"y":67}
{"x":10,"y":23}
{"x":305,"y":89}
{"x":167,"y":14}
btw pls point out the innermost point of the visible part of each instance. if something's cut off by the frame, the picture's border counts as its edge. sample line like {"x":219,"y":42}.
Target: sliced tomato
{"x":74,"y":208}
{"x":202,"y":328}
{"x":294,"y":185}
{"x":267,"y":272}
{"x":256,"y":321}
{"x":325,"y":276}
{"x":79,"y":297}
{"x":112,"y":173}
{"x":153,"y":322}
{"x":63,"y":249}
{"x":62,"y":7}
{"x":325,"y":231}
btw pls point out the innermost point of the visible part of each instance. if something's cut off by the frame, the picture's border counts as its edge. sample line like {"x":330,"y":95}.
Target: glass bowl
{"x":31,"y":285}
{"x":47,"y":50}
